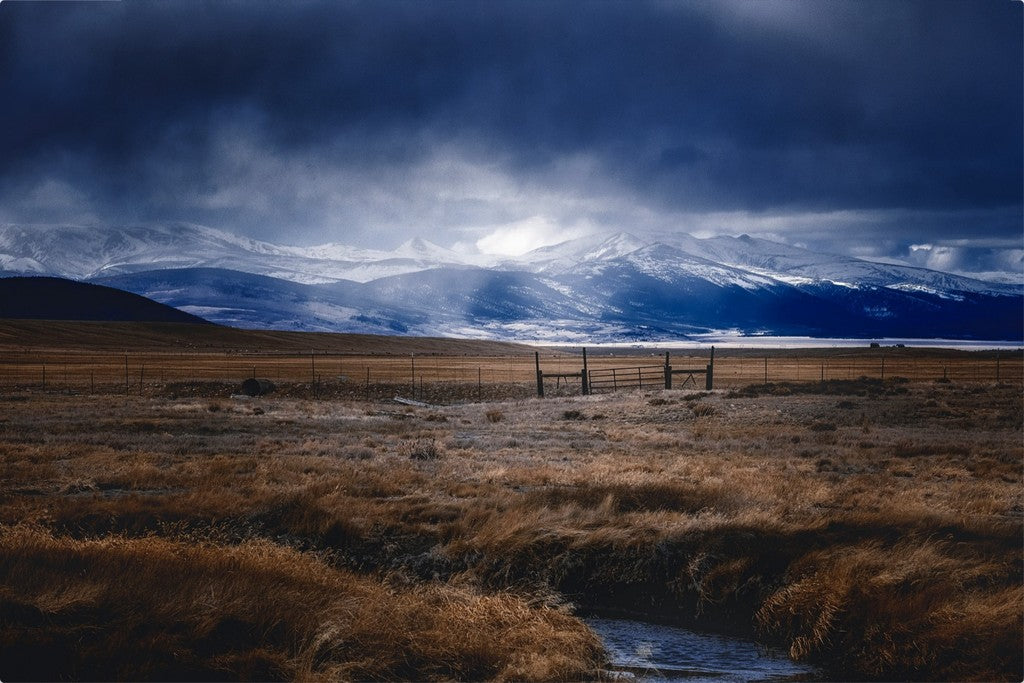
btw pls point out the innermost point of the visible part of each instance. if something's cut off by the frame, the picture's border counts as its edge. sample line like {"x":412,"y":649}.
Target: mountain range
{"x":612,"y":287}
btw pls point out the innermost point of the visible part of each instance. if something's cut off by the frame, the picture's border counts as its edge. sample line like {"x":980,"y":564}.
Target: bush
{"x":423,"y":449}
{"x":702,"y":410}
{"x":494,"y":416}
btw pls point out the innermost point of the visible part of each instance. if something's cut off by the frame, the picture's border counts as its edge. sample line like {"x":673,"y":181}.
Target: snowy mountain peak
{"x":420,"y":248}
{"x":615,"y":246}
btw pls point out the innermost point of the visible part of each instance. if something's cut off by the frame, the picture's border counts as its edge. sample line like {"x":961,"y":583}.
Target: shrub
{"x":494,"y":416}
{"x":573,"y":415}
{"x":423,"y":449}
{"x":702,"y":410}
{"x":359,"y":453}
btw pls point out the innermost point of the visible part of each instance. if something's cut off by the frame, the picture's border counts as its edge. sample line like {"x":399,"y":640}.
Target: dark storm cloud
{"x":312,"y":121}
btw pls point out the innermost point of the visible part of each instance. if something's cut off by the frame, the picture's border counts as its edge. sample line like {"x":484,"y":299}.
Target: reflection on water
{"x":671,"y":653}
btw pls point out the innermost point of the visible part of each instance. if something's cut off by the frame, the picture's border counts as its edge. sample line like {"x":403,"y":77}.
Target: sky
{"x":884,"y":129}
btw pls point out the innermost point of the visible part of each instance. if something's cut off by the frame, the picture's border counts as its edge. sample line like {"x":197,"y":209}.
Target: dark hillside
{"x":50,"y":298}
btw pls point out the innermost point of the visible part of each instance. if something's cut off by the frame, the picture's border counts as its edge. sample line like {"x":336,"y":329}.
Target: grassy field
{"x":872,"y":526}
{"x":153,"y":359}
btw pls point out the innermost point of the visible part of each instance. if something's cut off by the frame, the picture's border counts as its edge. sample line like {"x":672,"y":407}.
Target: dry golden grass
{"x":873,"y":527}
{"x":152,"y":608}
{"x":146,"y":359}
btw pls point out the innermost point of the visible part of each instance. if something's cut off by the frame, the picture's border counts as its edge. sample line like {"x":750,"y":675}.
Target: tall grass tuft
{"x":907,"y":611}
{"x":151,"y":608}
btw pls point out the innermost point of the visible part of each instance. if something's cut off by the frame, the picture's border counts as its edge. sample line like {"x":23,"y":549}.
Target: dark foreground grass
{"x":156,"y":609}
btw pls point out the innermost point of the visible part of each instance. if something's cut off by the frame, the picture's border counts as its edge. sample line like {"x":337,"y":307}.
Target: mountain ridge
{"x":606,"y":286}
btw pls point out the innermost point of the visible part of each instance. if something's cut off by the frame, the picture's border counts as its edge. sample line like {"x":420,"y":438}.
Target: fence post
{"x":668,"y":373}
{"x":126,"y":374}
{"x":766,"y":369}
{"x":540,"y":376}
{"x":412,"y":360}
{"x":479,"y":383}
{"x":709,"y":382}
{"x":584,"y":383}
{"x":997,"y":365}
{"x":883,"y":368}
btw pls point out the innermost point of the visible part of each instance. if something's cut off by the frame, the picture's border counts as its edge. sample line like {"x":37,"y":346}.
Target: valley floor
{"x":871,"y":527}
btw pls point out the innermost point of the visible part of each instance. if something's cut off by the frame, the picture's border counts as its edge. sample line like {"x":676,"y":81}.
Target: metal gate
{"x":610,"y":379}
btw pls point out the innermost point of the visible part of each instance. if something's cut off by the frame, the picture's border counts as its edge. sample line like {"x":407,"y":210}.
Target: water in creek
{"x":666,"y":653}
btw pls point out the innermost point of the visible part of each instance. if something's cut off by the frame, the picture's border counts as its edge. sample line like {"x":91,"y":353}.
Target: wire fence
{"x":446,"y":378}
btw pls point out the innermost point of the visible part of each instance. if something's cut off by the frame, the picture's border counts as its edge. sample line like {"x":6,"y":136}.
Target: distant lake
{"x":724,"y":341}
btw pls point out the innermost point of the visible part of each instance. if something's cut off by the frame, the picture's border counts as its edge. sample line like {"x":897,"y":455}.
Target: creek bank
{"x":757,"y":584}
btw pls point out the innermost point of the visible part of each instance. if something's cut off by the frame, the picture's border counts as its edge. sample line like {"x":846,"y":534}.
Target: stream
{"x":668,"y":653}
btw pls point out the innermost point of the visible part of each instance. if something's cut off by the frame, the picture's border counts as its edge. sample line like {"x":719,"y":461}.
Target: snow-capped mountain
{"x":600,"y":286}
{"x":800,"y":266}
{"x":85,"y":252}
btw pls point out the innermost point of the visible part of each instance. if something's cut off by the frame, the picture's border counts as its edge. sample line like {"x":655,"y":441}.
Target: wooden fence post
{"x":540,"y":376}
{"x":709,"y":382}
{"x":584,"y":383}
{"x":668,"y":373}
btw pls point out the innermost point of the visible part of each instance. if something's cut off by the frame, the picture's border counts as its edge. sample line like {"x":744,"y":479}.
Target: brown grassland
{"x":871,"y":526}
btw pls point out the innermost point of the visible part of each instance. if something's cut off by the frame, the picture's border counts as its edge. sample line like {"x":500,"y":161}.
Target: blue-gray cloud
{"x":317,"y":121}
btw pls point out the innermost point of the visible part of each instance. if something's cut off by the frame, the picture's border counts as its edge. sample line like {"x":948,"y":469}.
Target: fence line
{"x":482,"y":377}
